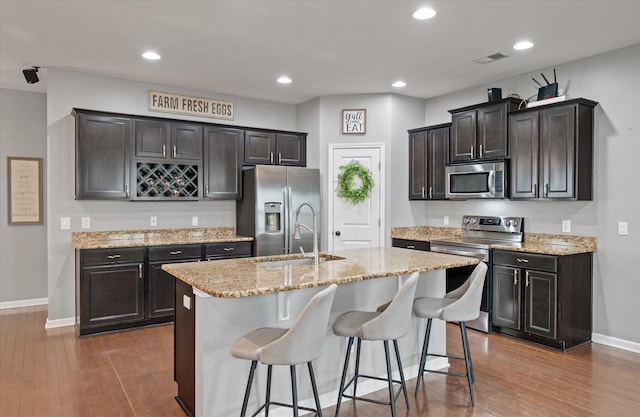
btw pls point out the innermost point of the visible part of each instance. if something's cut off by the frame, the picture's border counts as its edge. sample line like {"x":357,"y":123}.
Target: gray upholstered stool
{"x":275,"y":346}
{"x":390,"y":324}
{"x":459,"y":305}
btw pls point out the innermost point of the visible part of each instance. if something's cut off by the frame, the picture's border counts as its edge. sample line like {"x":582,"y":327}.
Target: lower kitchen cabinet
{"x":123,"y":288}
{"x":542,"y":298}
{"x":410,"y":244}
{"x":109,"y":289}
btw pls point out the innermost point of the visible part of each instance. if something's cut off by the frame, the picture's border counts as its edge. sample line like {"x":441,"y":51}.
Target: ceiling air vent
{"x":490,"y":58}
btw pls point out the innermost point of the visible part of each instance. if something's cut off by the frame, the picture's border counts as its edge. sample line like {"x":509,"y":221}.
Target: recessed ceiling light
{"x":399,"y":84}
{"x":284,"y":80}
{"x":150,"y":55}
{"x":424,"y":13}
{"x":523,"y":45}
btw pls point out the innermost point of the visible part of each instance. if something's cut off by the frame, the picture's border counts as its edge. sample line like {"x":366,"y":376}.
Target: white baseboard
{"x":615,"y":342}
{"x":52,"y":324}
{"x":24,"y":303}
{"x":364,"y":387}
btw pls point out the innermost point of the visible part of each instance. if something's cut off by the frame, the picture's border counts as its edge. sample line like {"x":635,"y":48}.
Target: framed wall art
{"x":25,"y":190}
{"x":354,"y":121}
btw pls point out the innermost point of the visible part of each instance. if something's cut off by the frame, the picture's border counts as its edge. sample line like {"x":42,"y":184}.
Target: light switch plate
{"x":566,"y":226}
{"x":65,"y":223}
{"x":86,"y":222}
{"x":153,"y":221}
{"x":186,"y":301}
{"x":194,"y":221}
{"x":623,"y":228}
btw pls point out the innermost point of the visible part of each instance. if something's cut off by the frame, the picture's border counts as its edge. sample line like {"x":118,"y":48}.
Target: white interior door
{"x":361,"y":225}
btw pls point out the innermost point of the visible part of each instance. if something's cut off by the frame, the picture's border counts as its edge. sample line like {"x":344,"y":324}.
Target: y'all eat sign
{"x":354,"y":121}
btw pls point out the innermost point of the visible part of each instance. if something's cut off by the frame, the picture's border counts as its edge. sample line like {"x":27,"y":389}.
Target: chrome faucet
{"x":296,"y":232}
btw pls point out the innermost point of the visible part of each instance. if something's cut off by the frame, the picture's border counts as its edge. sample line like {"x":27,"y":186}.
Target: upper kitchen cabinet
{"x":103,"y":149}
{"x":223,"y":158}
{"x":552,"y":151}
{"x":271,"y":148}
{"x":428,"y":152}
{"x":479,"y":132}
{"x":168,"y":140}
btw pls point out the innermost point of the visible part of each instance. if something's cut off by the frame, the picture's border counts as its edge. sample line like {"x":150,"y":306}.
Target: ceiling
{"x":328,"y":47}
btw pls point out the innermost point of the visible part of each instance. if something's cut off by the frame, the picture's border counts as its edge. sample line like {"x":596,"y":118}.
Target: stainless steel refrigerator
{"x":270,"y":196}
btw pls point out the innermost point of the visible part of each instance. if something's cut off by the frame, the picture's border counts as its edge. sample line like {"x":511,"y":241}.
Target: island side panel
{"x":221,"y":379}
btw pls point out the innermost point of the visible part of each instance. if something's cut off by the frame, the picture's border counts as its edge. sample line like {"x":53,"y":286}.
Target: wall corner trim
{"x":52,"y":324}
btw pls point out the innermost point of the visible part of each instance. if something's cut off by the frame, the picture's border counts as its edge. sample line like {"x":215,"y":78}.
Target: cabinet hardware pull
{"x":140,"y":271}
{"x":271,"y":157}
{"x":430,"y":191}
{"x":126,"y":190}
{"x":175,"y":151}
{"x":228,"y":249}
{"x":526,"y":279}
{"x":422,"y":192}
{"x":279,"y":158}
{"x":164,"y":151}
{"x":546,"y":190}
{"x":515,"y":277}
{"x":206,"y":190}
{"x":175,"y":252}
{"x":116,"y":256}
{"x":526,"y":261}
{"x":410,"y":247}
{"x":473,"y":155}
{"x":481,"y":151}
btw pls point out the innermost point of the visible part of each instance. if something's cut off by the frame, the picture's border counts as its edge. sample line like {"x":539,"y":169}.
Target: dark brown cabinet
{"x":226,"y":250}
{"x":271,"y":148}
{"x":552,"y":151}
{"x":542,"y":298}
{"x":479,"y":132}
{"x":411,"y":244}
{"x":103,"y":160}
{"x":167,"y":140}
{"x":223,"y":158}
{"x":161,"y":285}
{"x":110,"y":289}
{"x":428,"y":153}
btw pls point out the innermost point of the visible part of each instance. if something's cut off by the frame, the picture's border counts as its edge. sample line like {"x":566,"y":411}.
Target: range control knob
{"x":515,"y":223}
{"x":473,"y":221}
{"x":466,"y":221}
{"x":508,"y":223}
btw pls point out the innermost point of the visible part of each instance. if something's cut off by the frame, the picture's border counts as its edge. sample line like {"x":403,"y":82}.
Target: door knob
{"x":337,"y":232}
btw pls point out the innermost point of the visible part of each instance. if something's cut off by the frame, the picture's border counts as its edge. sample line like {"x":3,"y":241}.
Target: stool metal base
{"x":393,"y":396}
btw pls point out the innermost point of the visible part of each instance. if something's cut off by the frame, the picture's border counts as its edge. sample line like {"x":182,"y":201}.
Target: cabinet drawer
{"x":111,"y":256}
{"x":169,"y":252}
{"x":228,"y":250}
{"x":410,"y":244}
{"x":526,"y":260}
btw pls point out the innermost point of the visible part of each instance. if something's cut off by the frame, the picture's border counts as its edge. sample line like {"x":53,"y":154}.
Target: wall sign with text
{"x":191,"y":105}
{"x":354,"y":121}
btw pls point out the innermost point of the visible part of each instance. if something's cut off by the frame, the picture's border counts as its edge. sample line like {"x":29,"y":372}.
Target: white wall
{"x":66,"y":90}
{"x":23,"y":262}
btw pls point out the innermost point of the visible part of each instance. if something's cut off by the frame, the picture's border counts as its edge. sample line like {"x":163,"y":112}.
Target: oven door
{"x":457,"y":276}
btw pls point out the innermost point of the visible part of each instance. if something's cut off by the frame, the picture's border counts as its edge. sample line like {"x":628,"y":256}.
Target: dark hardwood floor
{"x":130,"y":373}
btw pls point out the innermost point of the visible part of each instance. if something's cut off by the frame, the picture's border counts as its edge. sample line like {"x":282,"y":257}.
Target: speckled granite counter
{"x":129,"y":238}
{"x":542,"y":243}
{"x":235,"y":278}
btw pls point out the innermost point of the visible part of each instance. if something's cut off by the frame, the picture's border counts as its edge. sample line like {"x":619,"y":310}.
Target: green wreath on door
{"x":346,"y":186}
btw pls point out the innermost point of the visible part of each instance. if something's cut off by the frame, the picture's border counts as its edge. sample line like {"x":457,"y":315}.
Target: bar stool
{"x":459,"y":305}
{"x":390,"y":324}
{"x":299,"y":344}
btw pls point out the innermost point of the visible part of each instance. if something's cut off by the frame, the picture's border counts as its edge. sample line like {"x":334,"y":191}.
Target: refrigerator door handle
{"x":287,"y":219}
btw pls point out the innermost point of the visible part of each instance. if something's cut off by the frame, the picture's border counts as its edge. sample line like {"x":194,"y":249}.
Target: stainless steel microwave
{"x":477,"y":180}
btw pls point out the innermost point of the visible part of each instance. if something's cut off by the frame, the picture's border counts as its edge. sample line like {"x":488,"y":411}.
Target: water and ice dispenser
{"x":273,"y":214}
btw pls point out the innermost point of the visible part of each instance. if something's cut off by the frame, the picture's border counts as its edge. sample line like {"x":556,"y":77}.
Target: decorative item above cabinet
{"x":479,"y":132}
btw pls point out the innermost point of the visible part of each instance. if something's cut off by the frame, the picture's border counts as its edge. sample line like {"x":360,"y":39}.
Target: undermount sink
{"x":297,"y":260}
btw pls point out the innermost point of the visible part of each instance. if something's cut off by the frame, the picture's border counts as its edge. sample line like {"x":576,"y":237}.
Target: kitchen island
{"x":218,"y":302}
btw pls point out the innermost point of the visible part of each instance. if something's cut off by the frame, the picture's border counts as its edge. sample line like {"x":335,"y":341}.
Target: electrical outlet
{"x":623,"y":228}
{"x":194,"y":221}
{"x":566,"y":226}
{"x":65,"y":223}
{"x":86,"y":223}
{"x":446,"y":221}
{"x":153,"y":221}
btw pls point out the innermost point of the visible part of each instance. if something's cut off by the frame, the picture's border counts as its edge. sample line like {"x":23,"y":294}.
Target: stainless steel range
{"x":479,"y":233}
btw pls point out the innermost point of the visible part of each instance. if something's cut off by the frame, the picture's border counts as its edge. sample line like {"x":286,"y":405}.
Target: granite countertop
{"x":234,"y":278}
{"x":129,"y":238}
{"x":542,"y":243}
